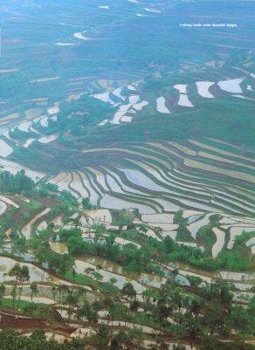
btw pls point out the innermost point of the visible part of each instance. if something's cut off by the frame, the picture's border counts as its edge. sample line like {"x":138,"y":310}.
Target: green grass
{"x":81,"y":280}
{"x":38,"y":310}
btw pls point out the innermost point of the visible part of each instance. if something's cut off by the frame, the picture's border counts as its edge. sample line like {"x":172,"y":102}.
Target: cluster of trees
{"x":11,"y":340}
{"x":129,"y":256}
{"x":237,"y":259}
{"x":60,"y":264}
{"x":21,"y":275}
{"x":200,"y":318}
{"x":20,"y":183}
{"x":149,"y":257}
{"x":86,"y":204}
{"x":122,"y":217}
{"x":104,"y":340}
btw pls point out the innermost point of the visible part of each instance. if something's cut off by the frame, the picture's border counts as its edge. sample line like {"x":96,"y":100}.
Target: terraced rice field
{"x":168,"y":172}
{"x":160,"y":179}
{"x":128,"y":124}
{"x":203,"y":88}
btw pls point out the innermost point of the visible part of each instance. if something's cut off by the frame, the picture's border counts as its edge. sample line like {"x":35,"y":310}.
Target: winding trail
{"x":27,"y":229}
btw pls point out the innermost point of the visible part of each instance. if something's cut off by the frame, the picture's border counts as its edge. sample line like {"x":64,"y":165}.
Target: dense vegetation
{"x":11,"y":340}
{"x":195,"y":313}
{"x":200,"y":317}
{"x":20,"y":183}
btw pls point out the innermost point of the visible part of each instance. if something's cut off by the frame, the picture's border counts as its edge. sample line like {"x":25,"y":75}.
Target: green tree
{"x":34,"y":289}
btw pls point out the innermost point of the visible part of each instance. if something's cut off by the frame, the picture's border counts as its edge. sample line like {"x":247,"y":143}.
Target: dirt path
{"x":9,"y":202}
{"x":16,"y":321}
{"x":27,"y":229}
{"x":145,"y":329}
